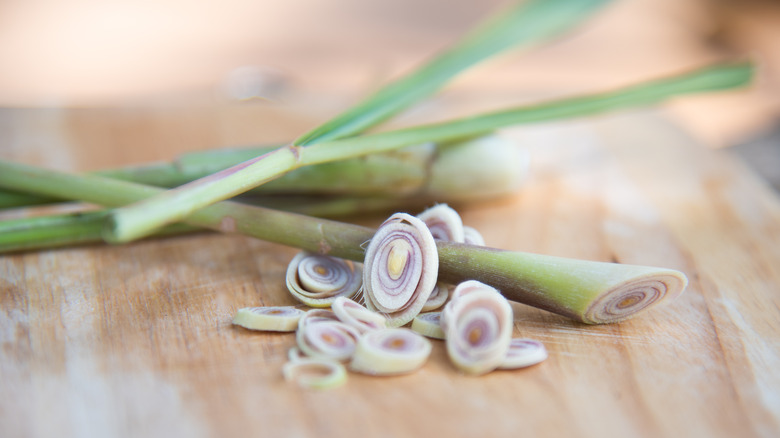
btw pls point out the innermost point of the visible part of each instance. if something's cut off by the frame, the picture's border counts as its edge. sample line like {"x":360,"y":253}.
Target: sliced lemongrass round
{"x":523,"y":353}
{"x":428,"y":324}
{"x":327,"y":339}
{"x":357,"y":316}
{"x":437,"y":298}
{"x":390,"y":351}
{"x":276,"y":319}
{"x":315,"y":315}
{"x":478,"y":329}
{"x":444,"y":223}
{"x":316,"y":280}
{"x":472,"y":236}
{"x":315,"y":373}
{"x":400,"y":268}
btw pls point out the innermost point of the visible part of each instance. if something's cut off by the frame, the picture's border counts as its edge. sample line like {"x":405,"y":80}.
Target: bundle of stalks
{"x":424,"y":163}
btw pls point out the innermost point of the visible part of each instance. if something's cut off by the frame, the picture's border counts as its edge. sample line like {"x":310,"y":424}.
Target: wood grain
{"x":137,"y":341}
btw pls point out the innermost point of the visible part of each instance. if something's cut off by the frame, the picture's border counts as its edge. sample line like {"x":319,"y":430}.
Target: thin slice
{"x":389,"y":352}
{"x":472,"y":236}
{"x":317,"y":280}
{"x":444,"y":223}
{"x":400,"y":268}
{"x":523,"y":353}
{"x":315,"y":373}
{"x":437,"y":298}
{"x":357,"y":316}
{"x":428,"y":324}
{"x":322,"y":337}
{"x":276,"y":319}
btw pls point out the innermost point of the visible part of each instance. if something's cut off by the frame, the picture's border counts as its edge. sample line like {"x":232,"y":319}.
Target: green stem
{"x":591,"y":292}
{"x":414,"y":172}
{"x":62,"y":230}
{"x":526,"y":23}
{"x":137,"y":220}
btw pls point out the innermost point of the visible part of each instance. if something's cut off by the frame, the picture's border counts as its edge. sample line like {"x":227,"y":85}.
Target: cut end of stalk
{"x":626,"y":299}
{"x":112,"y":231}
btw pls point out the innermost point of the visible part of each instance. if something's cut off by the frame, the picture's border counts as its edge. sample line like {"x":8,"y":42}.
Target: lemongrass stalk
{"x":137,"y":220}
{"x":523,"y":24}
{"x":421,"y":174}
{"x":591,"y":292}
{"x":528,"y":22}
{"x":61,"y":230}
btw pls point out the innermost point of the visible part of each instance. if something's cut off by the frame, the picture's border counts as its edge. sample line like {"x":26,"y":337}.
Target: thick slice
{"x":390,"y":351}
{"x":276,"y":319}
{"x":478,"y":327}
{"x":428,"y":324}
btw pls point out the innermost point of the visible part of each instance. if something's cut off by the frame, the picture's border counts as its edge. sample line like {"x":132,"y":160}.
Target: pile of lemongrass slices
{"x":397,"y":283}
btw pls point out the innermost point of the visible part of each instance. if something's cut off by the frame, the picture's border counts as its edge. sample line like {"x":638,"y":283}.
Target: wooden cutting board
{"x":137,"y":340}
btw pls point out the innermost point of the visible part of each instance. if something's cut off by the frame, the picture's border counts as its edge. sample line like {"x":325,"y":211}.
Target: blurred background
{"x":294,"y":63}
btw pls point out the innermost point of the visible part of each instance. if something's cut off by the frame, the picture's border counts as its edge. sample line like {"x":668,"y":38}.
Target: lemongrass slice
{"x":428,"y":324}
{"x":472,"y":236}
{"x":316,"y":315}
{"x":316,"y":280}
{"x":523,"y":353}
{"x":357,"y":316}
{"x":390,"y":351}
{"x":400,"y":268}
{"x":437,"y":298}
{"x":326,"y":339}
{"x":477,"y":327}
{"x":465,"y":288}
{"x":315,"y":373}
{"x":276,"y":319}
{"x":444,"y":223}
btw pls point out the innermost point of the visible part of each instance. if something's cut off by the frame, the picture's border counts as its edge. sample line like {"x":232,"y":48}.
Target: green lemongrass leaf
{"x":134,"y":221}
{"x":591,"y":292}
{"x":523,"y":24}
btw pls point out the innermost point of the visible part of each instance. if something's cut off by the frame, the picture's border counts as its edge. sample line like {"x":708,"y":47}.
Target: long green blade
{"x":140,"y":219}
{"x":524,"y":24}
{"x":712,"y":78}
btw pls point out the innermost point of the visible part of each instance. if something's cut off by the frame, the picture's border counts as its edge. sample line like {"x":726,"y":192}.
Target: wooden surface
{"x":137,"y":340}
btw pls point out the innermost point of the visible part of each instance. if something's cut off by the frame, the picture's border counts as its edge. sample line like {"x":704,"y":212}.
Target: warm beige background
{"x":97,"y":53}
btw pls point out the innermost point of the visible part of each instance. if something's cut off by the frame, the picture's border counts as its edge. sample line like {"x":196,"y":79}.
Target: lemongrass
{"x":421,"y":173}
{"x":444,"y":222}
{"x":437,"y":298}
{"x":320,"y":336}
{"x":400,"y":268}
{"x":357,"y":316}
{"x":523,"y":353}
{"x":525,"y":23}
{"x":317,"y":280}
{"x":277,"y":319}
{"x":472,"y":236}
{"x":578,"y":289}
{"x":428,"y":324}
{"x":315,"y":373}
{"x":390,"y":351}
{"x":478,"y":328}
{"x":707,"y":79}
